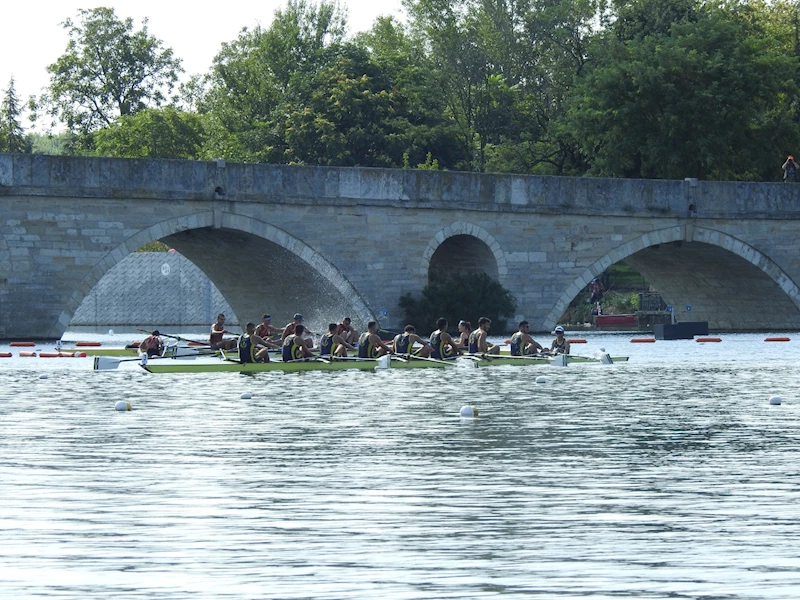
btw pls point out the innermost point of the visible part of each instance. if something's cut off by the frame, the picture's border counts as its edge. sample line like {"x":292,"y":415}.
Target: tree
{"x":698,"y":97}
{"x":12,"y":136}
{"x":109,"y":70}
{"x":481,"y":296}
{"x":152,"y":133}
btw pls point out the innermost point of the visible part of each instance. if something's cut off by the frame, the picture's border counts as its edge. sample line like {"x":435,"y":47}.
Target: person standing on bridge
{"x":790,"y":169}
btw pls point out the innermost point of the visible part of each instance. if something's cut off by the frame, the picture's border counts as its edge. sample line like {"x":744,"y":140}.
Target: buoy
{"x":777,"y":339}
{"x":122,"y":405}
{"x":708,"y":339}
{"x":246,"y":396}
{"x":88,"y":344}
{"x":469,"y":411}
{"x":643,"y":340}
{"x":5,"y":354}
{"x":22,"y":344}
{"x":53,"y":354}
{"x":775,"y":400}
{"x":577,"y":341}
{"x":42,"y":376}
{"x":541,"y":379}
{"x":27,"y":354}
{"x":110,"y":332}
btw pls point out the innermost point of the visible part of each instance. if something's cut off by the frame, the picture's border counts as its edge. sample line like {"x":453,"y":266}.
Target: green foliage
{"x":54,"y":145}
{"x":12,"y":136}
{"x":107,"y":71}
{"x":459,"y":296}
{"x":152,"y":133}
{"x":155,"y":246}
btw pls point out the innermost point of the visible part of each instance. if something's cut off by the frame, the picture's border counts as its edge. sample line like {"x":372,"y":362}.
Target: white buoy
{"x":469,"y":411}
{"x":42,"y":376}
{"x":246,"y":396}
{"x":775,"y":400}
{"x":541,"y":379}
{"x":110,"y":332}
{"x":122,"y":405}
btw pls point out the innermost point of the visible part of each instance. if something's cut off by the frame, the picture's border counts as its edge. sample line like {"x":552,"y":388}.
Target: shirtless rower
{"x":347,"y":331}
{"x":265,"y":330}
{"x":217,"y":331}
{"x":333,"y":344}
{"x":560,"y":345}
{"x":249,"y":342}
{"x":443,"y":346}
{"x":404,"y":343}
{"x":370,"y":344}
{"x":294,"y":346}
{"x":297,"y":319}
{"x":152,"y":345}
{"x":522,"y":344}
{"x":477,"y":339}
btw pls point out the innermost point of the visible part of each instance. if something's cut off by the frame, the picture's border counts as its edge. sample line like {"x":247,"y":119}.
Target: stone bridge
{"x":330,"y":241}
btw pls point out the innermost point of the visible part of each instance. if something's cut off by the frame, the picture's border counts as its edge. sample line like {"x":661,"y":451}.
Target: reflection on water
{"x":667,"y":477}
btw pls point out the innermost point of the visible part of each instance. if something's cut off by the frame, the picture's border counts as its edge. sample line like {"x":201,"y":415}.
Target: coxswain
{"x":522,"y":344}
{"x":442,"y":345}
{"x":217,"y":331}
{"x":332,"y":343}
{"x":370,"y":344}
{"x":249,"y":342}
{"x":404,"y":343}
{"x":560,"y":345}
{"x":152,"y":345}
{"x":294,"y":347}
{"x":464,"y":329}
{"x":265,"y":330}
{"x":478,"y":343}
{"x":347,"y":331}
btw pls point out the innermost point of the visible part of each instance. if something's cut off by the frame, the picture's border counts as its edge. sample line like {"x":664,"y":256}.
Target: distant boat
{"x":616,"y":321}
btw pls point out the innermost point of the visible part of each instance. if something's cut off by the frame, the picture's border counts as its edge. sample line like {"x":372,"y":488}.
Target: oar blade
{"x":105,"y":363}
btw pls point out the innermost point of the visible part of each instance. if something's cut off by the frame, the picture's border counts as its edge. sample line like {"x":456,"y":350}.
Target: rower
{"x":522,"y":344}
{"x":152,"y":345}
{"x":477,"y":339}
{"x":560,"y":345}
{"x":442,"y":345}
{"x":464,"y":329}
{"x":297,"y":319}
{"x":265,"y":330}
{"x":217,"y":331}
{"x":294,"y":347}
{"x":249,"y":342}
{"x":347,"y":331}
{"x":404,"y":343}
{"x":370,"y":344}
{"x":333,"y":344}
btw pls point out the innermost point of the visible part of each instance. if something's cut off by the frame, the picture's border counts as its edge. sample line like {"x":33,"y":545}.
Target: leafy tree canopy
{"x":152,"y":133}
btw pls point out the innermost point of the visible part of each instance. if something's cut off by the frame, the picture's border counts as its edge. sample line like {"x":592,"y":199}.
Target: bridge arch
{"x":186,"y":232}
{"x":482,"y":245}
{"x":691,"y":234}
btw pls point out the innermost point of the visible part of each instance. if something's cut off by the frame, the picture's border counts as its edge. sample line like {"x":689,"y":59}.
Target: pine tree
{"x":12,"y":136}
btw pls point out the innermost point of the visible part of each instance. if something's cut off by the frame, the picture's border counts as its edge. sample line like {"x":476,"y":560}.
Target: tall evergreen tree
{"x":12,"y":136}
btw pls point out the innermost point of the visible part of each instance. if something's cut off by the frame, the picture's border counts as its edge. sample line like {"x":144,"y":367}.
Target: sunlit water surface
{"x":670,"y":476}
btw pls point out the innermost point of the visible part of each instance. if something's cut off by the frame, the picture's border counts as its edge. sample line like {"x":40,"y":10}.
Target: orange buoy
{"x":777,"y":339}
{"x":577,"y":341}
{"x":51,"y":354}
{"x":21,"y":344}
{"x":5,"y":354}
{"x":643,"y":340}
{"x":708,"y":339}
{"x":27,"y":354}
{"x":79,"y":344}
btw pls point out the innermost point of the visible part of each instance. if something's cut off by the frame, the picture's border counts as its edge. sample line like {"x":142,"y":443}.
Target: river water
{"x":670,"y":476}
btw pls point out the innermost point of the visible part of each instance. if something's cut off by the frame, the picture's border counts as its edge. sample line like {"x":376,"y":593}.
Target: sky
{"x":33,"y":38}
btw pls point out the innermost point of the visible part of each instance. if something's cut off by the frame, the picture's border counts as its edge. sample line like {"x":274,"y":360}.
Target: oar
{"x":104,"y":363}
{"x":433,"y":360}
{"x":175,"y":337}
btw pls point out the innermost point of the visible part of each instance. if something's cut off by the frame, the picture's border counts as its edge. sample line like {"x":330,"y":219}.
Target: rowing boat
{"x":317,"y":364}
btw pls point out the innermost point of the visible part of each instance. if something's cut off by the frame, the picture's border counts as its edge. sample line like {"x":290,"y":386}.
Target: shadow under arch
{"x":762,"y":271}
{"x":461,"y":228}
{"x":210,"y":249}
